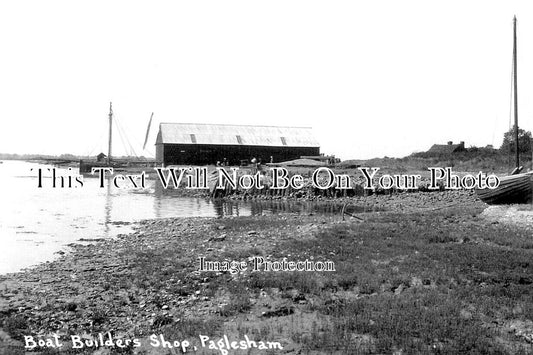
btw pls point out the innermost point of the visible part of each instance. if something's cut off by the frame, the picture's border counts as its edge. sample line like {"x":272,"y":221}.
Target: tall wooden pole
{"x":515,"y":94}
{"x":110,"y":132}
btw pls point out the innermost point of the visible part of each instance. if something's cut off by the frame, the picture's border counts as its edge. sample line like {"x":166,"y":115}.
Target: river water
{"x":36,"y":223}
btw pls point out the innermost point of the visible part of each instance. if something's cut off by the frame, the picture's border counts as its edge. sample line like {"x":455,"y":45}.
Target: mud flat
{"x":428,"y":273}
{"x":519,"y":215}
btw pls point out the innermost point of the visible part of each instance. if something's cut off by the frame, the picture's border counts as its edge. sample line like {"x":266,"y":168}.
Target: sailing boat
{"x":86,"y":166}
{"x":514,"y":188}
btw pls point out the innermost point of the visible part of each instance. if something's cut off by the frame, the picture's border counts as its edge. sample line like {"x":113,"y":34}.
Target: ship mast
{"x":515,"y":94}
{"x":110,"y":133}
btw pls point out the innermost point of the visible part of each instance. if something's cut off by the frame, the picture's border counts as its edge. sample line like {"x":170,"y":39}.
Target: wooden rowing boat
{"x":512,"y":189}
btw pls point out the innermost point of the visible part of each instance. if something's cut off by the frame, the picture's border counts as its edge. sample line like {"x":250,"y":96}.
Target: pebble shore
{"x":96,"y":287}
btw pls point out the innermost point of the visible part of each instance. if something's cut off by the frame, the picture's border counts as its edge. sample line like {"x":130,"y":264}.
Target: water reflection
{"x":108,"y":207}
{"x":168,"y":201}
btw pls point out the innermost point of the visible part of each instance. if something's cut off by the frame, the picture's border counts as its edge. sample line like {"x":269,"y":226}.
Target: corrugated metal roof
{"x":222,"y":134}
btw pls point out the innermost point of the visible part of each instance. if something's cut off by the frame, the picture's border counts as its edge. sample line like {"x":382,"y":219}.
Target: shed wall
{"x":201,"y":154}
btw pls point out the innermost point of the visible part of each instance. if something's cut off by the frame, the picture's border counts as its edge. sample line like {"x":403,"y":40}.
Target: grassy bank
{"x":431,"y":277}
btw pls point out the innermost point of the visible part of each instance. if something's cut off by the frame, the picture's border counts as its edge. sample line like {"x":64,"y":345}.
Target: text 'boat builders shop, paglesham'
{"x":209,"y":144}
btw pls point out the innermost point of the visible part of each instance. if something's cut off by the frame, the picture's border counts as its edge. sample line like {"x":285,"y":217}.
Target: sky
{"x":372,"y":78}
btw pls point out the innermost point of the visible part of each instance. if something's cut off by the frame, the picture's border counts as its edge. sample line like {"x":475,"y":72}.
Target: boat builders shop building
{"x":206,"y":144}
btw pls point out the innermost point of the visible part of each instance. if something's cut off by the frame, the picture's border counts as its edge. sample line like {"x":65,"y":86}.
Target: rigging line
{"x":132,"y":151}
{"x":148,"y":153}
{"x":145,"y":151}
{"x":121,"y":137}
{"x":124,"y":137}
{"x":136,"y":142}
{"x":510,"y":106}
{"x":126,"y":142}
{"x":122,"y":140}
{"x":98,"y":143}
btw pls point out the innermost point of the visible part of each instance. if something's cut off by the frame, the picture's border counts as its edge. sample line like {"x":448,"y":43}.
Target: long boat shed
{"x":206,"y":144}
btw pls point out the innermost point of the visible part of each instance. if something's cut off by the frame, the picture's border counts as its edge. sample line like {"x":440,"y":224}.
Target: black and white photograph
{"x":266,"y":177}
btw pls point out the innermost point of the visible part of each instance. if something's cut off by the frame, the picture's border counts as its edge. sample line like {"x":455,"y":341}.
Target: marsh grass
{"x":304,"y":282}
{"x":438,"y":264}
{"x":239,"y":304}
{"x":191,"y":327}
{"x":430,"y":282}
{"x":419,"y":321}
{"x":239,"y":301}
{"x":411,"y":278}
{"x":402,"y":283}
{"x":15,"y":325}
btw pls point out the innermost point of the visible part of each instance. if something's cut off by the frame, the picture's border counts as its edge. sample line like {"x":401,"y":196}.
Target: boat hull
{"x":86,"y":166}
{"x":512,"y":189}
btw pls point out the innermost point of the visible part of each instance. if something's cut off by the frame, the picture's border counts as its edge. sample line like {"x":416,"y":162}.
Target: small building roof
{"x":226,"y":134}
{"x":445,"y":148}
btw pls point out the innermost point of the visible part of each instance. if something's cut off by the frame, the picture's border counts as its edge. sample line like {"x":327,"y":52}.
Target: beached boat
{"x":516,"y":187}
{"x":512,"y":189}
